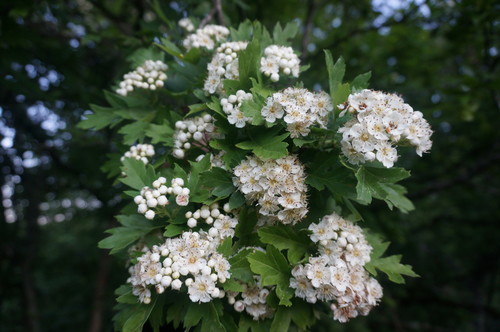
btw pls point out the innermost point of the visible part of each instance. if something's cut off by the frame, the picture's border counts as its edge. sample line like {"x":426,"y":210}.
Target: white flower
{"x":201,"y":289}
{"x":379,"y":122}
{"x":149,"y":75}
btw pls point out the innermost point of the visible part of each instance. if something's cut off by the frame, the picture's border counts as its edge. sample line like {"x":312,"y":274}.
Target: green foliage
{"x":389,"y":265}
{"x":266,"y":144}
{"x":273,"y":267}
{"x":137,"y":175}
{"x":134,"y":228}
{"x":380,"y":183}
{"x":286,"y":238}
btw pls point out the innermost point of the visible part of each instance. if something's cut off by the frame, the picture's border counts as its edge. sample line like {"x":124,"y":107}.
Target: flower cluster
{"x":299,"y":108}
{"x":206,"y":37}
{"x":224,"y":65}
{"x":222,"y":224}
{"x":337,"y":274}
{"x":148,"y":76}
{"x":186,"y":24}
{"x":196,"y":129}
{"x":279,"y":58}
{"x":140,"y":152}
{"x":252,"y":300}
{"x":151,"y":198}
{"x":277,"y":186}
{"x":380,"y":122}
{"x":190,"y":259}
{"x":231,"y":106}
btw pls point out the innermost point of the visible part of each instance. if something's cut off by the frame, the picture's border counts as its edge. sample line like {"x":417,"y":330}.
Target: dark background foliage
{"x":58,"y":56}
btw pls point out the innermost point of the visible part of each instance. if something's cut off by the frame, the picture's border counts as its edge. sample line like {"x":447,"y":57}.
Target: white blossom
{"x":150,"y":75}
{"x":380,"y":123}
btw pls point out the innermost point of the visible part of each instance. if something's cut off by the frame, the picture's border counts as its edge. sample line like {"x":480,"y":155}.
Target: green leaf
{"x":281,"y":36}
{"x":282,"y":320}
{"x":302,"y":314}
{"x":136,"y":226}
{"x":225,"y":247}
{"x":286,"y":238}
{"x":325,"y":170}
{"x":196,"y":108}
{"x":244,"y":32}
{"x":137,"y":175}
{"x":102,"y":117}
{"x":173,"y":230}
{"x":335,"y":72}
{"x":340,"y":94}
{"x":380,"y":183}
{"x":236,"y":200}
{"x":220,"y":180}
{"x":160,"y":133}
{"x":266,"y":144}
{"x":233,"y":286}
{"x":274,"y":270}
{"x":232,"y":155}
{"x":249,"y":59}
{"x":169,"y":47}
{"x":198,"y":194}
{"x":246,"y":323}
{"x":133,"y":132}
{"x":138,"y":317}
{"x":240,"y":267}
{"x":360,"y":82}
{"x":390,"y":265}
{"x":246,"y":225}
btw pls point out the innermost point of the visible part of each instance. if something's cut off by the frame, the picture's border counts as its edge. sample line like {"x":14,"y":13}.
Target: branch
{"x":311,"y":8}
{"x":220,"y":13}
{"x":208,"y":18}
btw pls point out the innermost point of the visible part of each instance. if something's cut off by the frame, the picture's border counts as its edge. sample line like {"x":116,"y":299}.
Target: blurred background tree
{"x":58,"y":56}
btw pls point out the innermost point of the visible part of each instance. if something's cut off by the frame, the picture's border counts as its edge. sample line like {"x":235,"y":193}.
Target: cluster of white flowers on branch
{"x":191,"y":260}
{"x":231,"y":106}
{"x":299,"y":108}
{"x":222,"y":224}
{"x":150,"y":198}
{"x":252,"y":300}
{"x":193,"y":129}
{"x":206,"y":37}
{"x":277,"y":185}
{"x":140,"y":152}
{"x":186,"y":24}
{"x":380,"y":122}
{"x":149,"y":75}
{"x":279,"y":58}
{"x":338,"y":274}
{"x":224,"y":65}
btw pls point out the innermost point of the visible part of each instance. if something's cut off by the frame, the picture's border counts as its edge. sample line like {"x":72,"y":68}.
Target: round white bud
{"x":215,"y":213}
{"x":142,"y":208}
{"x":192,"y":222}
{"x":138,"y":199}
{"x":188,"y":281}
{"x":176,"y":284}
{"x":150,"y":214}
{"x":166,"y":281}
{"x":155,"y":257}
{"x":152,"y":202}
{"x":162,"y":200}
{"x":239,"y":306}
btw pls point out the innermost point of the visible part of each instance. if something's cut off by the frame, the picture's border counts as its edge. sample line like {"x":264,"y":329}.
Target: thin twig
{"x":208,"y":18}
{"x":307,"y":27}
{"x":220,"y":13}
